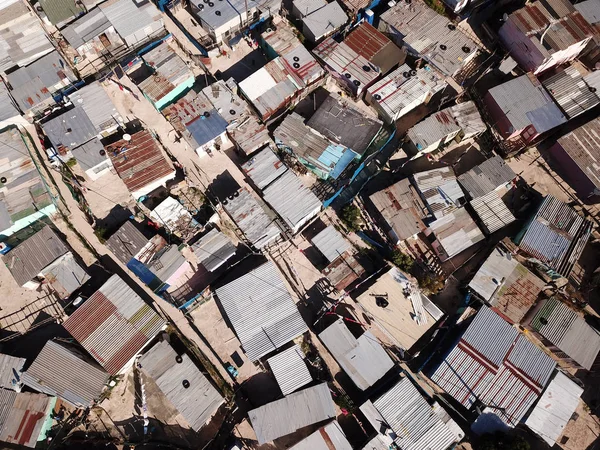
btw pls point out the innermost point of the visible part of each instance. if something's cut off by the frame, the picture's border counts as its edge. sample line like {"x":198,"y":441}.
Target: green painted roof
{"x":59,"y":11}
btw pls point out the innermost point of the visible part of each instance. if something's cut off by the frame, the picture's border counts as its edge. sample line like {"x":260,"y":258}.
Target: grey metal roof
{"x":590,"y":10}
{"x":251,"y":218}
{"x":65,"y":275}
{"x":11,"y":368}
{"x":90,"y":154}
{"x":264,"y":168}
{"x":166,"y":262}
{"x":71,"y":129}
{"x":486,"y":177}
{"x":468,"y":118}
{"x":330,"y":437}
{"x":363,"y":359}
{"x":456,"y":232}
{"x":331,"y":243}
{"x":261,"y":311}
{"x":592,"y":79}
{"x":86,"y":28}
{"x":556,"y":235}
{"x":294,"y":202}
{"x":198,"y":402}
{"x":571,"y":92}
{"x":434,"y":129}
{"x":59,"y":372}
{"x":401,"y":208}
{"x":290,"y":370}
{"x":97,"y":105}
{"x":60,"y":11}
{"x":297,"y":410}
{"x":555,"y":408}
{"x":31,"y":256}
{"x":222,"y":13}
{"x":250,"y":135}
{"x":147,"y":21}
{"x":213,"y":249}
{"x":492,"y":211}
{"x":306,"y":7}
{"x":126,"y":242}
{"x":22,"y":417}
{"x":8,"y":108}
{"x":227,"y":103}
{"x":414,"y":423}
{"x":344,"y":124}
{"x":494,"y":363}
{"x":440,"y":190}
{"x":568,"y":331}
{"x":524,"y":102}
{"x":325,"y":20}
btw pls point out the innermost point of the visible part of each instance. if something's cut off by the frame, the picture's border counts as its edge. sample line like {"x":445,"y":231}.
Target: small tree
{"x":350,"y":215}
{"x":402,"y":260}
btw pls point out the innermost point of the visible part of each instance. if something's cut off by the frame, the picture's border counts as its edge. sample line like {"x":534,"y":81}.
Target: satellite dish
{"x":127,"y":137}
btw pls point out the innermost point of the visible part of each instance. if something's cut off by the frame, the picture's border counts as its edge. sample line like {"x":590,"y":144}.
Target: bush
{"x":350,"y":215}
{"x":72,"y":162}
{"x":402,"y":260}
{"x":437,"y":6}
{"x":431,"y":284}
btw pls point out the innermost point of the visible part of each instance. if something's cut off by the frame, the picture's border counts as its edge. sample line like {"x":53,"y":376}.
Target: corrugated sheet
{"x":86,"y":28}
{"x":218,"y":15}
{"x":363,"y":359}
{"x":8,"y":109}
{"x":440,"y":190}
{"x":492,"y":211}
{"x":413,"y":422}
{"x":556,"y":236}
{"x":65,"y":275}
{"x":114,"y":324}
{"x":213,"y":250}
{"x":22,"y":416}
{"x":91,"y":154}
{"x":250,"y":135}
{"x":306,"y":7}
{"x":369,"y":42}
{"x":583,"y":146}
{"x":486,"y":177}
{"x":330,"y":437}
{"x":294,"y":202}
{"x":302,"y":65}
{"x":60,"y":11}
{"x":344,"y":271}
{"x":252,"y":219}
{"x":571,"y":92}
{"x":31,"y":256}
{"x":140,"y":161}
{"x":435,"y":129}
{"x":590,"y":10}
{"x":147,"y":19}
{"x":10,"y":371}
{"x":507,"y":285}
{"x":340,"y":122}
{"x":61,"y":373}
{"x":290,"y":370}
{"x":468,"y":118}
{"x":261,"y":311}
{"x":126,"y":242}
{"x":298,"y":410}
{"x":331,"y":243}
{"x":198,"y":401}
{"x":264,"y":168}
{"x":495,"y":364}
{"x":227,"y":103}
{"x":166,"y":262}
{"x":69,"y":130}
{"x":568,"y":331}
{"x":97,"y":105}
{"x":555,"y":408}
{"x":427,"y":33}
{"x":325,"y":21}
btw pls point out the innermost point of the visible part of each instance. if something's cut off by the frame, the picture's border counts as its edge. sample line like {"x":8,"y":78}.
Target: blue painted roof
{"x":205,"y":129}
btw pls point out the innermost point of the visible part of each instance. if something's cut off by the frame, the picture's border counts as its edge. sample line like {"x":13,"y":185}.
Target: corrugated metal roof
{"x":252,"y":219}
{"x":486,"y":177}
{"x":526,"y":103}
{"x":325,"y":20}
{"x":298,"y":410}
{"x":507,"y":285}
{"x":60,"y":11}
{"x":571,"y":92}
{"x":227,"y":103}
{"x":363,"y":359}
{"x":492,"y":362}
{"x":401,"y":91}
{"x":197,"y":400}
{"x":148,"y":20}
{"x":86,"y":28}
{"x":555,"y":408}
{"x":171,"y":214}
{"x":331,"y":243}
{"x":492,"y":211}
{"x":429,"y":34}
{"x":8,"y":109}
{"x":222,"y":14}
{"x":11,"y":368}
{"x":306,"y":7}
{"x":302,"y":65}
{"x":213,"y":249}
{"x":114,"y":324}
{"x":65,"y":275}
{"x":434,"y":129}
{"x":61,"y":373}
{"x":414,"y":423}
{"x":590,"y":10}
{"x":330,"y":437}
{"x":139,"y":161}
{"x":22,"y":416}
{"x":468,"y":118}
{"x":23,"y":37}
{"x":340,"y":122}
{"x":440,"y":190}
{"x":166,"y":263}
{"x":456,"y":232}
{"x":69,"y":130}
{"x":126,"y":242}
{"x":250,"y":135}
{"x":583,"y":146}
{"x":556,"y":235}
{"x":568,"y":331}
{"x":369,"y":42}
{"x":344,"y":271}
{"x":97,"y":105}
{"x":402,"y":209}
{"x":31,"y":256}
{"x":294,"y":202}
{"x":23,"y":193}
{"x":186,"y":110}
{"x":90,"y":154}
{"x":264,"y":168}
{"x":290,"y":370}
{"x":261,"y":311}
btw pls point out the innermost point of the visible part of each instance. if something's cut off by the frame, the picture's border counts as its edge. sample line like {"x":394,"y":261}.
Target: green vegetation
{"x":501,"y":441}
{"x":431,"y":284}
{"x":100,"y":233}
{"x":402,"y":261}
{"x":72,"y":162}
{"x":437,"y":6}
{"x":350,"y":215}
